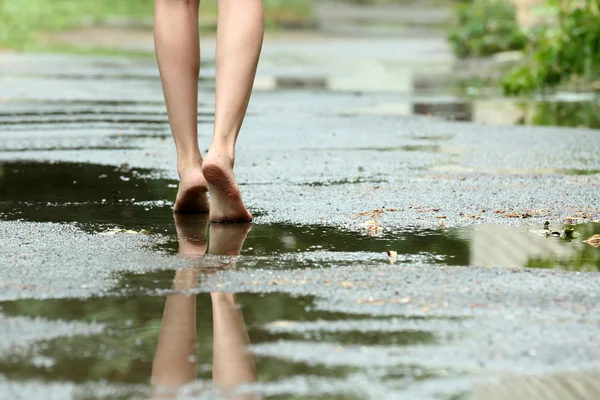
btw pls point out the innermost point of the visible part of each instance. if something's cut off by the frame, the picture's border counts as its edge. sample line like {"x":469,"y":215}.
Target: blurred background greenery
{"x":20,"y":20}
{"x":560,"y":42}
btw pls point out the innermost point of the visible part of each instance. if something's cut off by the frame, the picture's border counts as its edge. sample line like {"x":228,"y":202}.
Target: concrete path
{"x":335,"y":180}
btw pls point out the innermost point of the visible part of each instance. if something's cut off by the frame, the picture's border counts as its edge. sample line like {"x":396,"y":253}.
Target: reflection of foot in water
{"x":227,"y":239}
{"x":191,"y":233}
{"x":175,"y":362}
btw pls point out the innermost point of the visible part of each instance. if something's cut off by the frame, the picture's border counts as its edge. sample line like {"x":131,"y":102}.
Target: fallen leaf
{"x":403,"y":300}
{"x":593,"y":241}
{"x":441,"y":216}
{"x":376,"y":213}
{"x":347,"y":284}
{"x":472,"y":216}
{"x":512,"y":215}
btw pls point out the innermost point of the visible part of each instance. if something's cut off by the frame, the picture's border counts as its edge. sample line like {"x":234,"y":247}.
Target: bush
{"x":568,"y":51}
{"x":485,"y":27}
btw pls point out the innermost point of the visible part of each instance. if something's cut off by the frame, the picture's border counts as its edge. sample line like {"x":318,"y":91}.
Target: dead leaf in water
{"x":593,"y":241}
{"x":376,"y":213}
{"x":373,"y":227}
{"x":124,"y":167}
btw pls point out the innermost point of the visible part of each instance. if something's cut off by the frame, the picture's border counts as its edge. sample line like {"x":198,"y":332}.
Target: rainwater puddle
{"x":502,"y":111}
{"x":100,"y":198}
{"x":155,"y":331}
{"x":181,"y":338}
{"x":446,"y":100}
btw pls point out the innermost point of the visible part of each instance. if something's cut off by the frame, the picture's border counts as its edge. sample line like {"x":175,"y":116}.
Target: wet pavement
{"x":395,"y":254}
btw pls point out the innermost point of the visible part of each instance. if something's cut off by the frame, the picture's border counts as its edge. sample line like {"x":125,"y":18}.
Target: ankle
{"x":188,"y":163}
{"x":225,"y":153}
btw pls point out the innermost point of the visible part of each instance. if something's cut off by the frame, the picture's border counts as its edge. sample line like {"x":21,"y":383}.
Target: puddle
{"x":98,"y":198}
{"x":441,"y":95}
{"x":565,"y":386}
{"x":501,"y":111}
{"x":144,"y":334}
{"x":154,"y":333}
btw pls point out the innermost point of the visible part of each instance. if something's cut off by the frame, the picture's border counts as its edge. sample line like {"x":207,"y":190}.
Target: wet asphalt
{"x":334,"y":183}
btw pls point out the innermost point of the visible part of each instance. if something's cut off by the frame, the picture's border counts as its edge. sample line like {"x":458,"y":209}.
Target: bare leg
{"x":177,"y":43}
{"x":175,"y":359}
{"x":239,"y":41}
{"x":233,"y":364}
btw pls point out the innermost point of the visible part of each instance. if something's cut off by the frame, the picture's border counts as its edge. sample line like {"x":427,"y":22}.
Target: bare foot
{"x":191,"y":194}
{"x":227,"y":239}
{"x":226,"y":204}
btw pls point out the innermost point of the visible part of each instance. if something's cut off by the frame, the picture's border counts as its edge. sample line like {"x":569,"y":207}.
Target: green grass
{"x":22,"y":20}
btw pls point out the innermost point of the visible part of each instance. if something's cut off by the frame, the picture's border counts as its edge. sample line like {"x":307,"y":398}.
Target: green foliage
{"x":568,"y":51}
{"x":572,"y":114}
{"x":21,"y":20}
{"x":485,"y":27}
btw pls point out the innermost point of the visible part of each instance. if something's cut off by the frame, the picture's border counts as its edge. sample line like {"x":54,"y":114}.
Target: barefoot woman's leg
{"x":239,"y":41}
{"x":178,"y":53}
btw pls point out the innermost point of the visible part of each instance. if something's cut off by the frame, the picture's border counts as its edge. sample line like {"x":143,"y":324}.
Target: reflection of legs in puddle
{"x":239,"y":40}
{"x":233,"y":364}
{"x":178,"y":53}
{"x":191,"y":232}
{"x":175,"y":359}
